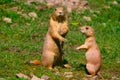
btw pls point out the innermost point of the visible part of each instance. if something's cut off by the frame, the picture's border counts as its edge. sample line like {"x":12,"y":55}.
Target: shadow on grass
{"x":81,"y":66}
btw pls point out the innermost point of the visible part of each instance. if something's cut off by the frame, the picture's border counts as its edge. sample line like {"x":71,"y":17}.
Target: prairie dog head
{"x":59,"y":14}
{"x":87,"y":30}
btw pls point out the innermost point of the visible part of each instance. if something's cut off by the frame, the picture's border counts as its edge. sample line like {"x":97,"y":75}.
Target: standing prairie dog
{"x":52,"y":53}
{"x":93,"y":55}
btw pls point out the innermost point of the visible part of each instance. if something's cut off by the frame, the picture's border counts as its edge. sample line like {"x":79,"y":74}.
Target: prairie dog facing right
{"x":93,"y":55}
{"x":52,"y":53}
{"x":55,"y":37}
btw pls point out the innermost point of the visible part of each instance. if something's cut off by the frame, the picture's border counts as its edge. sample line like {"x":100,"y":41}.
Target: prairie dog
{"x":52,"y":53}
{"x":93,"y":55}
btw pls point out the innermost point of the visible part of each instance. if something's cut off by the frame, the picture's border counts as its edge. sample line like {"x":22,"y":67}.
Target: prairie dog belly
{"x":62,"y":28}
{"x":50,"y":45}
{"x":93,"y":56}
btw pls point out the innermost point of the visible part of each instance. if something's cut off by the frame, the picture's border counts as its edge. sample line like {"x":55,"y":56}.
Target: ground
{"x":22,"y":36}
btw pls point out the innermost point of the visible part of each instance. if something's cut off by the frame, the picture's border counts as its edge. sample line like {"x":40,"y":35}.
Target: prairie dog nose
{"x":60,"y":12}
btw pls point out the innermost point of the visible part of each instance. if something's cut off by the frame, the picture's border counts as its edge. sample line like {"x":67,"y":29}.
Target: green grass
{"x":22,"y":39}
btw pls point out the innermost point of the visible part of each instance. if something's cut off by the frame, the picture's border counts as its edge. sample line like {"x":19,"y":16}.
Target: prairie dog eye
{"x":74,"y":2}
{"x":87,"y":28}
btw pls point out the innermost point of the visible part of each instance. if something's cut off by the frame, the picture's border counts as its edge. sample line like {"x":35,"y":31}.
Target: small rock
{"x":35,"y":78}
{"x":8,"y":20}
{"x":104,"y":24}
{"x":115,"y":78}
{"x":94,"y":15}
{"x":44,"y":77}
{"x":98,"y":12}
{"x":87,"y":18}
{"x":33,"y":14}
{"x":67,"y":66}
{"x":115,"y":2}
{"x":93,"y":78}
{"x":68,"y":74}
{"x":107,"y":7}
{"x":21,"y":75}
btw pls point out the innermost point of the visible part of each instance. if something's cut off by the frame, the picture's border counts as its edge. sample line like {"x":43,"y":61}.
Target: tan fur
{"x":52,"y":49}
{"x":93,"y":55}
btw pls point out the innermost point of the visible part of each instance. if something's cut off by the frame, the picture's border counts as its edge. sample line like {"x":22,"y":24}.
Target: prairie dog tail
{"x":35,"y":62}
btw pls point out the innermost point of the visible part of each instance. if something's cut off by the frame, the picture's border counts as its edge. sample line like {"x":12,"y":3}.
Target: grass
{"x":22,"y":39}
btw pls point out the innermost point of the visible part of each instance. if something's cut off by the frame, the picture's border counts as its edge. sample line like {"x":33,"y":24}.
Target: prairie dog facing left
{"x":93,"y":55}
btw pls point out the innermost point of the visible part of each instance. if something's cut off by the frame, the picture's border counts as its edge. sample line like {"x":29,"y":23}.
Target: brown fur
{"x":52,"y":49}
{"x":93,"y":55}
